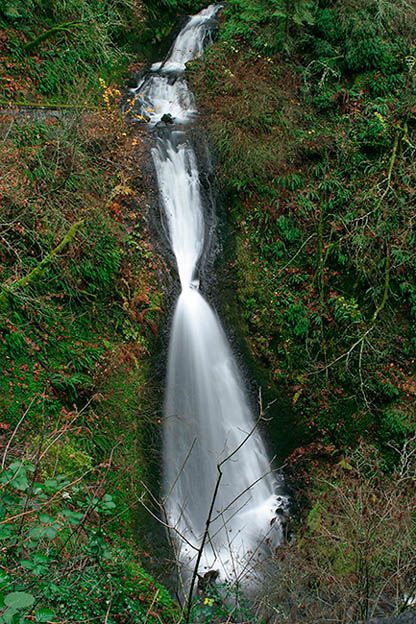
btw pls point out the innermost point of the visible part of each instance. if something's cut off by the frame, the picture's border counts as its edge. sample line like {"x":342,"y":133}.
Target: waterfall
{"x":211,"y":441}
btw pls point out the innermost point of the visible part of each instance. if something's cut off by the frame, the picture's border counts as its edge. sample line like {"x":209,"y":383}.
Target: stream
{"x":222,"y":500}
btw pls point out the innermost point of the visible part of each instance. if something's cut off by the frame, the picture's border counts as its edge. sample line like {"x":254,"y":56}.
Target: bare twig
{"x":6,"y":450}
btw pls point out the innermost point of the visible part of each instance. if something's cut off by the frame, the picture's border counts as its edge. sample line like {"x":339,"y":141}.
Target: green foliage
{"x":63,"y":48}
{"x":15,"y":603}
{"x":74,"y":349}
{"x":67,"y":521}
{"x":321,"y":203}
{"x":254,"y":122}
{"x":346,"y":311}
{"x":162,"y":17}
{"x":297,"y":318}
{"x":50,"y":341}
{"x":395,"y":426}
{"x":358,"y":39}
{"x":66,"y":457}
{"x":14,"y":10}
{"x":267,"y":24}
{"x":222,"y":602}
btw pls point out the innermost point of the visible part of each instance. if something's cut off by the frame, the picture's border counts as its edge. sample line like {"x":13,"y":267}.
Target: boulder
{"x":167,"y":118}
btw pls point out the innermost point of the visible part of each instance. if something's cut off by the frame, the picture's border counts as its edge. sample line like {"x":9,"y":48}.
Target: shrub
{"x":354,"y":558}
{"x":59,"y":559}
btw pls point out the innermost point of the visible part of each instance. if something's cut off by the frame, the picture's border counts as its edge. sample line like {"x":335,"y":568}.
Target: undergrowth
{"x":62,"y":558}
{"x":315,"y":134}
{"x":79,"y":305}
{"x":55,"y":53}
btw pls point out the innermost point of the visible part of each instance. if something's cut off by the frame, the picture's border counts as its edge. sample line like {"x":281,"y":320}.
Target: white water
{"x":161,"y":94}
{"x":178,"y":182}
{"x":207,"y":416}
{"x":191,"y":41}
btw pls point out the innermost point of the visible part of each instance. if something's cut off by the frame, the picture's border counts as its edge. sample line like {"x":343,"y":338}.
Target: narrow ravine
{"x":220,"y":494}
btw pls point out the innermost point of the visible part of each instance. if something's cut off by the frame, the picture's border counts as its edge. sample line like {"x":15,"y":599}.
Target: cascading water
{"x":208,"y":423}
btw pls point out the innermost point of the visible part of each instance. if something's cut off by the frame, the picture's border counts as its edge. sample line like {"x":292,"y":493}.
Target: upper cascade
{"x":164,"y":90}
{"x":179,"y":187}
{"x":191,"y":41}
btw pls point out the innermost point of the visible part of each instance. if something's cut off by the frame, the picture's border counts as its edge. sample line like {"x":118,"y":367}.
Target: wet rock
{"x":207,"y":579}
{"x":132,"y":82}
{"x":167,"y":118}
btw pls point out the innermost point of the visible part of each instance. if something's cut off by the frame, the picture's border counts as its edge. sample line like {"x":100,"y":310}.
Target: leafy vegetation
{"x":79,"y":304}
{"x":61,"y":559}
{"x":56,"y":52}
{"x":79,"y":301}
{"x":311,"y":111}
{"x":322,"y":107}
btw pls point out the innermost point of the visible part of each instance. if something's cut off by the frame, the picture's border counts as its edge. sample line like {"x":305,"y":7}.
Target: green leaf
{"x":73,"y":517}
{"x":107,"y":503}
{"x":50,"y":532}
{"x":19,"y":600}
{"x":37,"y":532}
{"x":4,"y":579}
{"x":16,"y":476}
{"x":8,"y":616}
{"x":11,"y":11}
{"x":51,"y":484}
{"x":44,"y":615}
{"x":6,"y":531}
{"x":37,"y":565}
{"x":39,"y":570}
{"x":11,"y":499}
{"x":27,"y":564}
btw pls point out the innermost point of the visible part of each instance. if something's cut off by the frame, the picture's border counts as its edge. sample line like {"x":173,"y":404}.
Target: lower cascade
{"x":221,"y":498}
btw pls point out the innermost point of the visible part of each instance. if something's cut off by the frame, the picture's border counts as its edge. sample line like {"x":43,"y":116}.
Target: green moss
{"x":64,"y":458}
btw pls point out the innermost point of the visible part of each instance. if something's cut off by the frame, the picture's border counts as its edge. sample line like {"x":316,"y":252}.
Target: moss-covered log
{"x":37,"y":272}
